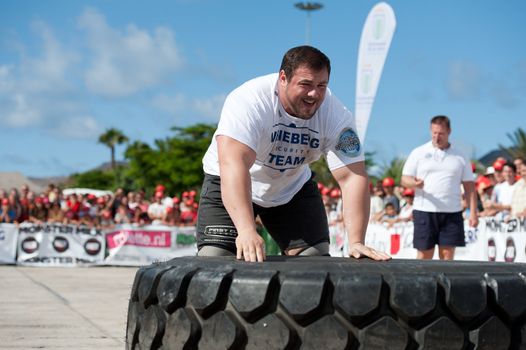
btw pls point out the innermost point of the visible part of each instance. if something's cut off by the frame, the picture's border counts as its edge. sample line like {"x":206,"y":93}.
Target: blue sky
{"x":71,"y":69}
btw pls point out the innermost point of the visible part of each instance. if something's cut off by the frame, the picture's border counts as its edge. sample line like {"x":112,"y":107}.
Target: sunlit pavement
{"x":64,"y":308}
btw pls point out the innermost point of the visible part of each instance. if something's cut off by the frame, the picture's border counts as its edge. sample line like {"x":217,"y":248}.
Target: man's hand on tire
{"x":359,"y":250}
{"x":250,"y":246}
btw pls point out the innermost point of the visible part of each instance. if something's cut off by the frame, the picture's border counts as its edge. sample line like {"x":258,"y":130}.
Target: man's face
{"x":440,"y":135}
{"x":508,"y":174}
{"x":303,"y":93}
{"x":523,"y":171}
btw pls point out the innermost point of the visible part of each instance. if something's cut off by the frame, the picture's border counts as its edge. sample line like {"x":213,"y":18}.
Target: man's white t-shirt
{"x":284,"y":145}
{"x":503,"y":193}
{"x":443,"y":172}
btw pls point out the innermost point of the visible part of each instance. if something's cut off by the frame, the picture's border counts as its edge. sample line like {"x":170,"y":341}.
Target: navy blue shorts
{"x":444,"y":229}
{"x":302,"y":222}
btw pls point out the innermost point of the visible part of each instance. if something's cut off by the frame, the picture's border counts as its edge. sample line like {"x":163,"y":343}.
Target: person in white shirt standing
{"x":502,"y":193}
{"x":436,"y":171}
{"x":271,"y":128}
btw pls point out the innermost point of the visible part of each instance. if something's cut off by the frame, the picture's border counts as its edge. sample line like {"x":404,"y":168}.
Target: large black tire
{"x":327,"y":303}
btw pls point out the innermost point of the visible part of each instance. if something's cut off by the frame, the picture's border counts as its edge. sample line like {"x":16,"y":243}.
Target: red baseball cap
{"x":388,"y":182}
{"x":499,"y":164}
{"x":335,"y":193}
{"x":159,"y":188}
{"x":409,"y":192}
{"x":483,"y":183}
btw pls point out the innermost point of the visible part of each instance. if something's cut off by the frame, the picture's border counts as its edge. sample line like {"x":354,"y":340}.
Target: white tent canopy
{"x":84,"y":191}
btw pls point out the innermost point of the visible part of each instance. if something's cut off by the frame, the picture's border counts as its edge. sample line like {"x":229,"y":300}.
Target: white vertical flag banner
{"x":376,"y":38}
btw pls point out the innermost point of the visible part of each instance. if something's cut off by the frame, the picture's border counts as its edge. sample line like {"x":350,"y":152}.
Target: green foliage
{"x":98,"y":179}
{"x":322,"y":172}
{"x":518,"y":144}
{"x":394,"y":169}
{"x":175,"y":162}
{"x":324,"y":175}
{"x":110,"y":138}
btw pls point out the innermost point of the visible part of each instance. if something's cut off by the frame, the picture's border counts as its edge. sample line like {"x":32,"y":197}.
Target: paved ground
{"x":64,"y":308}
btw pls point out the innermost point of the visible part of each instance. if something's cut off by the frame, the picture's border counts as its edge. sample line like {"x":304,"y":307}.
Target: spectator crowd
{"x":501,"y":192}
{"x":97,"y":210}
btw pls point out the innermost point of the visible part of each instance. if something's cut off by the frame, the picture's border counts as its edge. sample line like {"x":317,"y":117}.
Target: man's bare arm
{"x":354,"y":184}
{"x":235,"y":160}
{"x":471,"y":200}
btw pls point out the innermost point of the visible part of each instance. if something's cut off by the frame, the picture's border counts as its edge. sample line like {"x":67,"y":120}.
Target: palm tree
{"x":394,"y":169}
{"x":518,"y":147}
{"x":110,"y":138}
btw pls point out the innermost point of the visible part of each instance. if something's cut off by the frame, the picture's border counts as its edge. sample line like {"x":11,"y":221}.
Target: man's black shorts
{"x":302,"y":222}
{"x":444,"y":229}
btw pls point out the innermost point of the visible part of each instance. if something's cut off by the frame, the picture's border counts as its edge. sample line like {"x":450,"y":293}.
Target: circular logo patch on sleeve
{"x":348,"y":143}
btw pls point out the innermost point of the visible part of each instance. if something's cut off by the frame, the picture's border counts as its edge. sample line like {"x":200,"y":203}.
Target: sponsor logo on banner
{"x":395,"y":243}
{"x":375,"y":41}
{"x":58,"y":244}
{"x":493,"y":240}
{"x":379,"y":26}
{"x":135,"y":246}
{"x":8,"y":243}
{"x":150,"y":239}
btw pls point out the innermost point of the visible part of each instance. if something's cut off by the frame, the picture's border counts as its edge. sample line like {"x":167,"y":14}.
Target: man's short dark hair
{"x":441,"y":119}
{"x":304,"y":55}
{"x":511,"y":165}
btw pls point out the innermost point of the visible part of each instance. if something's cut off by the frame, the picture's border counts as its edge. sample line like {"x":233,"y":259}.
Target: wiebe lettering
{"x":295,"y":138}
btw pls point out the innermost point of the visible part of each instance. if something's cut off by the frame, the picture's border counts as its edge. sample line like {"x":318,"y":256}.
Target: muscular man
{"x":271,"y":128}
{"x":436,"y":171}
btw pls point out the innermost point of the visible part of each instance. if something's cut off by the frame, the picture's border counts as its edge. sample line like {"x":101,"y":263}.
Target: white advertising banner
{"x":493,"y":240}
{"x":375,"y":41}
{"x":8,"y":238}
{"x":133,"y":246}
{"x":59,"y":245}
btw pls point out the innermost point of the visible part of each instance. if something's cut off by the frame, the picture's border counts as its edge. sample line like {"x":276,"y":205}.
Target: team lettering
{"x":285,"y":160}
{"x":295,"y":138}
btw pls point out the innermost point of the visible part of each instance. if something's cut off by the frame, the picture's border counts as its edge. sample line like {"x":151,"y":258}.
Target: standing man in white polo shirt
{"x":436,"y":171}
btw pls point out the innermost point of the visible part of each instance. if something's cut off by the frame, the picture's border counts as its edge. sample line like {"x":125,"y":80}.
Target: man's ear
{"x":282,"y":77}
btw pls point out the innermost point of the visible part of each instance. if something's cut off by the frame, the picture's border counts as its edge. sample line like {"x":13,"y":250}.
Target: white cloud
{"x":78,"y":127}
{"x":19,"y":113}
{"x":48,"y":72}
{"x":181,"y":106}
{"x":464,"y":80}
{"x":170,"y":104}
{"x":211,"y":107}
{"x":124,"y":62}
{"x":39,"y":91}
{"x":5,"y":78}
{"x":504,"y":95}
